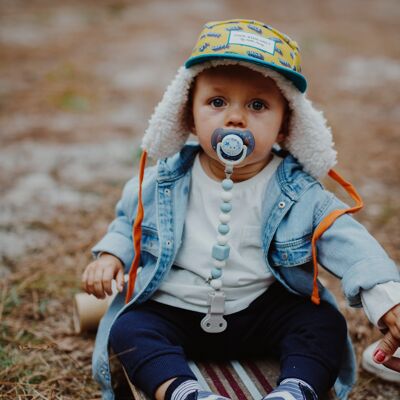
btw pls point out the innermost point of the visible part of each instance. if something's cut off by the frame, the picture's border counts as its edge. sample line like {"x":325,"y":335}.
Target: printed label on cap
{"x":252,"y":40}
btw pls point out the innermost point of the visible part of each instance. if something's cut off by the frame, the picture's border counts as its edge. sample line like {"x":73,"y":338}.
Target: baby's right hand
{"x":98,"y":275}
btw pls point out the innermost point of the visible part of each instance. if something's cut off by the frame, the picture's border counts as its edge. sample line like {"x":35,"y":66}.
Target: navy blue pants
{"x":153,"y":340}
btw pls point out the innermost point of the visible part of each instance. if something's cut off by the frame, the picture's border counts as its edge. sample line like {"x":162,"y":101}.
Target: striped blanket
{"x":244,"y":380}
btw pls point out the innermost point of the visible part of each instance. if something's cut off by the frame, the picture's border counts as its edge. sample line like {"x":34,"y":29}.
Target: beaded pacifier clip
{"x":232,"y":147}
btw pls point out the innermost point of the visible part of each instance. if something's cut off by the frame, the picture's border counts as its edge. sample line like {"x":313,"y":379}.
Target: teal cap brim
{"x":298,"y":79}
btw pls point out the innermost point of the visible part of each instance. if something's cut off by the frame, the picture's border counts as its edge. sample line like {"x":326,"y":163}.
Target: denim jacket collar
{"x":292,"y":181}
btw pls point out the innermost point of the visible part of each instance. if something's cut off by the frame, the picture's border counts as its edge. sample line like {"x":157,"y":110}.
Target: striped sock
{"x":180,"y":388}
{"x":292,"y":389}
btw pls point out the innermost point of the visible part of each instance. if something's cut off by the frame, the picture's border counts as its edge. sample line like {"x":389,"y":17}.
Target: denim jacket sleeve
{"x":118,"y":239}
{"x":351,"y":253}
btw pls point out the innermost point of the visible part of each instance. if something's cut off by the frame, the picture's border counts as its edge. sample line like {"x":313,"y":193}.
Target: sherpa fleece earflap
{"x":263,"y":49}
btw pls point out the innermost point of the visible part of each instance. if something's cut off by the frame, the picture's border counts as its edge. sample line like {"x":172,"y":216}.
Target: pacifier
{"x":232,"y":145}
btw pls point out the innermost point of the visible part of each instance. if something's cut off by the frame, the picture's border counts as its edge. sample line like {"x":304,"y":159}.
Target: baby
{"x":222,"y":238}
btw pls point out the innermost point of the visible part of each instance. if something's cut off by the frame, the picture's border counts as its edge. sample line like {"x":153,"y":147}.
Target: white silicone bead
{"x":219,"y":264}
{"x":226,"y":196}
{"x":216,"y":284}
{"x":222,"y":239}
{"x":224,"y":218}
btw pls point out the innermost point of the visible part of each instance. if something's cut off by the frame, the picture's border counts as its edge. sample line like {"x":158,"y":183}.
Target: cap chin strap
{"x":137,"y":231}
{"x":328,"y":221}
{"x":320,"y":229}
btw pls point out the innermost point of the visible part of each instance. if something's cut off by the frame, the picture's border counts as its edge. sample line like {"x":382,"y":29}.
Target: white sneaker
{"x":378,"y":369}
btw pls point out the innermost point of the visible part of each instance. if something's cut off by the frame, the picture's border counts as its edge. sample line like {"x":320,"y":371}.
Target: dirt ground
{"x":78,"y":82}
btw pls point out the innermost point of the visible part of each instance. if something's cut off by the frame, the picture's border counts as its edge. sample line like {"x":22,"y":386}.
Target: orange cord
{"x":328,"y":221}
{"x":137,"y":231}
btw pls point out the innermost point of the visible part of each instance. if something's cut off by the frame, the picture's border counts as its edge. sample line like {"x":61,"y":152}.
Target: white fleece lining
{"x":309,"y":139}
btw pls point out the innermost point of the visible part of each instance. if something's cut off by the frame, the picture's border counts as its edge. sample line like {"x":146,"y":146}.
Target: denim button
{"x":169,"y":243}
{"x":284,"y":256}
{"x":281,"y":204}
{"x":167,"y":192}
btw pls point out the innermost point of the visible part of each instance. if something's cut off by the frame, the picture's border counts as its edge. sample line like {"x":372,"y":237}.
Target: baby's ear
{"x":284,"y":131}
{"x":189,"y":120}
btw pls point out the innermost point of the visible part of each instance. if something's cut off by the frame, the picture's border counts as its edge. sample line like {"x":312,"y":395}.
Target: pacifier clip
{"x":231,"y":150}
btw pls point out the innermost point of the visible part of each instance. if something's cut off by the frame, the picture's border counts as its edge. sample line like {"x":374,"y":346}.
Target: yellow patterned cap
{"x":251,"y":41}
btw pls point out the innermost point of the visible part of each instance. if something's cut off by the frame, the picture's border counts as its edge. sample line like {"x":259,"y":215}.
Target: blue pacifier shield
{"x":232,"y":141}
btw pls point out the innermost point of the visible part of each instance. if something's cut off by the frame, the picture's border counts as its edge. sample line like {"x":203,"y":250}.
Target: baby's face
{"x":237,"y":97}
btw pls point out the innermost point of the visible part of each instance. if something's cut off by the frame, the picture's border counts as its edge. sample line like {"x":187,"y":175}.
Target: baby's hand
{"x":98,"y":275}
{"x":391,"y":341}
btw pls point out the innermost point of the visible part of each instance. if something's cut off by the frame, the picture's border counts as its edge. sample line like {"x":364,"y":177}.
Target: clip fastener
{"x":214,"y":321}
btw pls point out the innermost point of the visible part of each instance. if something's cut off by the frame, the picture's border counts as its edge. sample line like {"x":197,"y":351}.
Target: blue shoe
{"x":203,"y":395}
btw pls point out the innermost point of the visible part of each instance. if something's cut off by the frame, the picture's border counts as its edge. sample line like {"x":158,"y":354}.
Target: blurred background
{"x":78,"y":82}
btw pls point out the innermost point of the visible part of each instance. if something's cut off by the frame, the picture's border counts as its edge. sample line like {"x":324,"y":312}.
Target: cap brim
{"x":298,"y":80}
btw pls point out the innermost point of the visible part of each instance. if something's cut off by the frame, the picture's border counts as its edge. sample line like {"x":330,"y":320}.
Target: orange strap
{"x":328,"y":221}
{"x":137,"y":232}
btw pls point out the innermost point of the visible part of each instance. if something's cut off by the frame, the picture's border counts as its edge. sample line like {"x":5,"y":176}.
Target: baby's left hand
{"x":391,"y":341}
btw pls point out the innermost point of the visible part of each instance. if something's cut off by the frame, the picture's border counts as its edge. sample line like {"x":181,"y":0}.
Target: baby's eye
{"x":217,"y":102}
{"x":257,"y":105}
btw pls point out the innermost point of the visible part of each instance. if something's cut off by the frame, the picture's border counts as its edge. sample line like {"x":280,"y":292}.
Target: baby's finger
{"x":108,"y":275}
{"x":120,"y":280}
{"x":89,"y":284}
{"x":395,"y":331}
{"x":393,"y":363}
{"x":386,"y":348}
{"x":392,"y":321}
{"x":84,"y":278}
{"x":98,"y":289}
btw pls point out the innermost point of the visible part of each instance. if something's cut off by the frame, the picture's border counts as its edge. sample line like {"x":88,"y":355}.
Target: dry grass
{"x":40,"y":356}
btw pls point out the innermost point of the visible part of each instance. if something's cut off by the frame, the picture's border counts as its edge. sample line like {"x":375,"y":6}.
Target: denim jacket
{"x":295,"y":204}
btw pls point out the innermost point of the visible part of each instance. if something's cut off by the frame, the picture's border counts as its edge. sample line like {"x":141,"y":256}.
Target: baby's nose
{"x":236,"y":117}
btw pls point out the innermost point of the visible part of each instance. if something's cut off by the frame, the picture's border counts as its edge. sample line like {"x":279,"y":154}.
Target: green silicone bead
{"x":223,"y":229}
{"x":219,"y":252}
{"x":227,"y":184}
{"x":226,"y":207}
{"x":216,"y":273}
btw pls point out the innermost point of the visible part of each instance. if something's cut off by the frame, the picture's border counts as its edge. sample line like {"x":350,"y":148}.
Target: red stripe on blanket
{"x":229,"y":377}
{"x":260,"y":377}
{"x":215,"y":379}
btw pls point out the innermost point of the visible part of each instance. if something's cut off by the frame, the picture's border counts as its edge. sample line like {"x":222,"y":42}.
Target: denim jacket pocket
{"x":291,"y":253}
